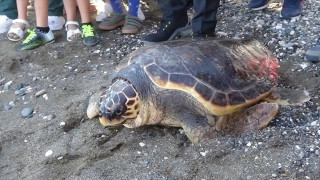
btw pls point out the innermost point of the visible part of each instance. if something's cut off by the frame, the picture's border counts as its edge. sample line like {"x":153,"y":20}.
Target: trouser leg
{"x":55,"y":7}
{"x":9,"y":8}
{"x":205,"y":19}
{"x":173,"y":10}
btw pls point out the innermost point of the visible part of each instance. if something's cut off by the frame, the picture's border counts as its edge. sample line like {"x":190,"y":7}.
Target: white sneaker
{"x":5,"y":23}
{"x":56,"y":22}
{"x":104,"y":13}
{"x":140,"y":14}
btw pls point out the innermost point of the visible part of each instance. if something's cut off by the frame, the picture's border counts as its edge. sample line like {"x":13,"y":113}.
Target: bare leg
{"x":22,"y":14}
{"x":84,"y":8}
{"x":71,"y":10}
{"x":42,"y":8}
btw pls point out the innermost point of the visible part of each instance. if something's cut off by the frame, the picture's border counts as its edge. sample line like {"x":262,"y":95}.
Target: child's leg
{"x":84,"y":8}
{"x":89,"y":36}
{"x":42,"y":8}
{"x":133,"y":7}
{"x":16,"y":31}
{"x":72,"y":24}
{"x":42,"y":34}
{"x":116,"y":6}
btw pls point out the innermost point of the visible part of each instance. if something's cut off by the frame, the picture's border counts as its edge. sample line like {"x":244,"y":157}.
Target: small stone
{"x":142,"y":144}
{"x":11,"y":103}
{"x":60,"y":157}
{"x":7,"y":107}
{"x":317,"y":152}
{"x":39,"y":93}
{"x":48,"y":153}
{"x":274,"y":175}
{"x":62,"y":123}
{"x":27,"y":112}
{"x":51,"y":116}
{"x":249,"y":144}
{"x":313,"y":123}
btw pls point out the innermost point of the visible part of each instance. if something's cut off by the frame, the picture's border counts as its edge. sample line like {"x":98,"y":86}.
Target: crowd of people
{"x":175,"y":21}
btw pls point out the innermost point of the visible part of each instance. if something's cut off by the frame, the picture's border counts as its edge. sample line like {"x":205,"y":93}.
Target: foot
{"x":56,"y":22}
{"x":112,"y":21}
{"x":258,"y":4}
{"x":132,"y":25}
{"x":73,"y":31}
{"x":5,"y":23}
{"x":35,"y":39}
{"x":89,"y":36}
{"x":17,"y":29}
{"x":291,"y":9}
{"x":169,"y":30}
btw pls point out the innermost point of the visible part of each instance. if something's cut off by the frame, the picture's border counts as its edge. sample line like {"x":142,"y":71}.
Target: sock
{"x":88,"y":23}
{"x":44,"y":30}
{"x":133,"y":7}
{"x":116,"y":6}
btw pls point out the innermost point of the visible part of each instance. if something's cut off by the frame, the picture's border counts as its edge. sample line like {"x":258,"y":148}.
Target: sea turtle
{"x":209,"y":87}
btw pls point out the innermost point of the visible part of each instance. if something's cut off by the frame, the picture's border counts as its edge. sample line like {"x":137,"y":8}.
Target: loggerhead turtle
{"x":209,"y":87}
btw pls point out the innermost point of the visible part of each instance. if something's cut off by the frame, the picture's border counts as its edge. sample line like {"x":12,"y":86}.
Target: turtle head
{"x":118,"y":104}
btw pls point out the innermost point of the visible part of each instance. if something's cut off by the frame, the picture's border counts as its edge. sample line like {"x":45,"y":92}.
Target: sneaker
{"x":313,"y":54}
{"x":36,"y":39}
{"x":112,"y":21}
{"x":89,"y":36}
{"x":132,"y":25}
{"x":258,"y":4}
{"x":5,"y":23}
{"x":169,"y":30}
{"x":291,"y":9}
{"x":56,"y":22}
{"x":104,"y":13}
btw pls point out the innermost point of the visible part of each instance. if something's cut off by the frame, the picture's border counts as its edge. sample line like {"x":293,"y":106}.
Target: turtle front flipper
{"x":254,"y":118}
{"x":288,"y":97}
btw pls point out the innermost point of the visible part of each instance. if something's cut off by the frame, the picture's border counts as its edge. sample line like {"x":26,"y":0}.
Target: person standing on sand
{"x":9,"y":16}
{"x":88,"y":34}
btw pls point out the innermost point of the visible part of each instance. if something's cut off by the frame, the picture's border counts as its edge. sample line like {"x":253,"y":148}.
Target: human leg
{"x":20,"y":24}
{"x":8,"y":12}
{"x":132,"y":22}
{"x":42,"y":34}
{"x":72,"y":26}
{"x":89,"y":36}
{"x":114,"y":19}
{"x":205,"y":21}
{"x":291,"y":9}
{"x":174,"y":22}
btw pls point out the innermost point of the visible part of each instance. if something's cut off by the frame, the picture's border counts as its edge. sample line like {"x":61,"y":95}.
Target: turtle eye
{"x":119,"y":112}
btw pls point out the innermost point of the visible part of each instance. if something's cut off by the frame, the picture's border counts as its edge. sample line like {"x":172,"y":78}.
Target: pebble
{"x":27,"y":112}
{"x":7,"y":85}
{"x":274,"y":175}
{"x":48,"y":153}
{"x":7,"y":107}
{"x":39,"y":93}
{"x":142,"y":144}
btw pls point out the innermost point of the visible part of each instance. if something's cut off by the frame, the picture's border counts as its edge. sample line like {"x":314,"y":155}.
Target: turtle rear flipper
{"x":254,"y":118}
{"x":288,"y":97}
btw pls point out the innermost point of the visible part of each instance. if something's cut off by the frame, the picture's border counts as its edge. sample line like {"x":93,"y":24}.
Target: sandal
{"x":16,"y":30}
{"x":72,"y":32}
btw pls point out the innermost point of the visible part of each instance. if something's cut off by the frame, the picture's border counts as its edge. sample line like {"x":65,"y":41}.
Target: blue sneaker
{"x":258,"y":4}
{"x":313,"y":54}
{"x":291,"y":9}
